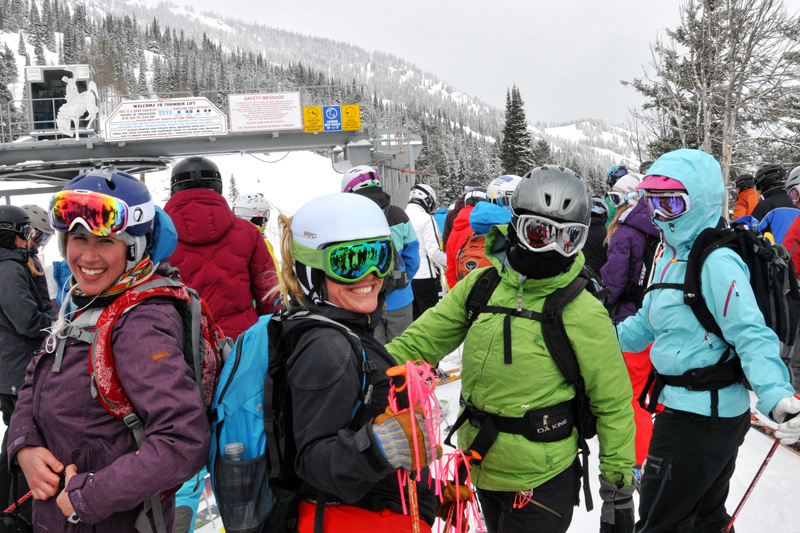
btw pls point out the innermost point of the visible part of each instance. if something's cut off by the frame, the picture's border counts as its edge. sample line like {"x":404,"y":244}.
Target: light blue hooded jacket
{"x":680,"y":343}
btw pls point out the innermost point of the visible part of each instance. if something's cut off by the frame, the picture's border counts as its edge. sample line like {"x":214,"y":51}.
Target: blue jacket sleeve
{"x":725,"y":282}
{"x":404,"y":233}
{"x":635,"y":333}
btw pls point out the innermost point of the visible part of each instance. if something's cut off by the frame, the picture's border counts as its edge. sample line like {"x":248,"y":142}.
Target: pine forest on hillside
{"x":145,"y":58}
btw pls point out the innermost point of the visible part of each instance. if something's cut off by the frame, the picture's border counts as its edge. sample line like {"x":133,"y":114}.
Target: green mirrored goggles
{"x":348,"y":262}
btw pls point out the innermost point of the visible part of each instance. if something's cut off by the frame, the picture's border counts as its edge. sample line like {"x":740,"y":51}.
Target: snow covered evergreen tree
{"x":515,"y":149}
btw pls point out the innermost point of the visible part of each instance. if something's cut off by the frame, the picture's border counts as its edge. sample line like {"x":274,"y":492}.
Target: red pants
{"x":639,"y":367}
{"x":340,"y":518}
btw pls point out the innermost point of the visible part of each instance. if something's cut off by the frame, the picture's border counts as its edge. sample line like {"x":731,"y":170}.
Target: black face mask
{"x":534,"y":265}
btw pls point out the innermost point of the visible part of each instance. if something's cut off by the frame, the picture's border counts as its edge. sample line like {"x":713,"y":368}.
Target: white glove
{"x":789,"y":425}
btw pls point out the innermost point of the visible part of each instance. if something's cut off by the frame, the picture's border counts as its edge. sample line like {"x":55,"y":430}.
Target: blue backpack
{"x":252,"y":405}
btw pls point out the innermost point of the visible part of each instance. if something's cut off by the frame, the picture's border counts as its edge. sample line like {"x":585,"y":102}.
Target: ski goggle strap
{"x":502,"y":198}
{"x":667,"y":204}
{"x":24,"y":231}
{"x":794,"y":193}
{"x":348,"y":262}
{"x":40,"y":238}
{"x":367,"y":179}
{"x":541,"y":234}
{"x":101,"y":214}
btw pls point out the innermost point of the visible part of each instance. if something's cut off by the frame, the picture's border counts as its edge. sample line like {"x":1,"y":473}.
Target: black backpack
{"x":558,"y":344}
{"x":774,"y":284}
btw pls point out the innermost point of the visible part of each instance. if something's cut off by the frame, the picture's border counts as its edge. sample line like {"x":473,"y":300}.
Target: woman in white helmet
{"x":337,"y":252}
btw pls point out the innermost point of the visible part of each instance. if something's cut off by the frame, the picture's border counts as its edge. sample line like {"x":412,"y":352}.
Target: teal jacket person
{"x":680,"y":343}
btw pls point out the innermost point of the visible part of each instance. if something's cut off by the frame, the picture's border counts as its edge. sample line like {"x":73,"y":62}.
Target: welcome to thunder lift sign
{"x":187,"y":117}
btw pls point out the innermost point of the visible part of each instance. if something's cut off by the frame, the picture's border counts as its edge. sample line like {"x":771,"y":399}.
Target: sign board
{"x":265,"y":112}
{"x":170,"y":117}
{"x":312,"y":119}
{"x":351,"y":118}
{"x":331,"y":118}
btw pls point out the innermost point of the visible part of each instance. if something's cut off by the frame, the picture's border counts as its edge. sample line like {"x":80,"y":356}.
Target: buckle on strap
{"x":82,"y":335}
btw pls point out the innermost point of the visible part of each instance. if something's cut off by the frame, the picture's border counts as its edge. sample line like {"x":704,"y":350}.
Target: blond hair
{"x":615,"y":222}
{"x":32,"y":264}
{"x":290,"y":289}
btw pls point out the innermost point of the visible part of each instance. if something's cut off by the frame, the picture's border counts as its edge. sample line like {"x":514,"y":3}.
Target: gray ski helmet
{"x":40,"y":220}
{"x":553,"y":192}
{"x":195,"y":173}
{"x":793,"y":181}
{"x":769,"y":176}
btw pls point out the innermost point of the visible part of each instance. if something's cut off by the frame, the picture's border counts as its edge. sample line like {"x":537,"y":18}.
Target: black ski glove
{"x":616,"y":515}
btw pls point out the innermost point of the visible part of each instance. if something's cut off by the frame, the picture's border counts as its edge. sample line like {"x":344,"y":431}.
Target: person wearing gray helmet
{"x":528,"y":477}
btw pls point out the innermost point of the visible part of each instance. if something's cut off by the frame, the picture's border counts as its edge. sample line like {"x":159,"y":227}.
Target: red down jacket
{"x":223,"y":258}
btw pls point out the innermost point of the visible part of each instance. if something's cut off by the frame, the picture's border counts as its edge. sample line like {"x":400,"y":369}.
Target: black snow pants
{"x":687,"y":474}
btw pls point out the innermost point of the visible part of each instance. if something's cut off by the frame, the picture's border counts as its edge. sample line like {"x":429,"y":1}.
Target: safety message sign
{"x":171,"y":117}
{"x":331,"y":118}
{"x":265,"y":112}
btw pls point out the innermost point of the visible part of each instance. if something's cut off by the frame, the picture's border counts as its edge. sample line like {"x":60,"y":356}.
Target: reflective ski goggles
{"x":348,"y":262}
{"x":101,"y":214}
{"x":24,"y":231}
{"x":503,"y":199}
{"x":366,"y":179}
{"x":40,"y":238}
{"x":617,"y":198}
{"x":794,"y":193}
{"x":667,"y":204}
{"x":540,"y":234}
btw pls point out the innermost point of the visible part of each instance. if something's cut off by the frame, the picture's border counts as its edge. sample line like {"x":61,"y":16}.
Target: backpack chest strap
{"x":71,"y":332}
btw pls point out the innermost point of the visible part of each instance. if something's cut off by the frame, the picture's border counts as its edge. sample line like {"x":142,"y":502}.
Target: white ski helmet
{"x":249,"y":206}
{"x":501,"y":189}
{"x":359,"y":177}
{"x":794,"y":178}
{"x":424,"y":195}
{"x":331,"y":219}
{"x":336,"y":218}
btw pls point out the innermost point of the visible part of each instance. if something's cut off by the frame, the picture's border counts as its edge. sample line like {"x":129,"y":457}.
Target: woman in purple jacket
{"x":60,"y":431}
{"x":628,"y":241}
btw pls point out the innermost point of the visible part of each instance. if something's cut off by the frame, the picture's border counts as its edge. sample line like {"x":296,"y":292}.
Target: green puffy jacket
{"x":532,"y":380}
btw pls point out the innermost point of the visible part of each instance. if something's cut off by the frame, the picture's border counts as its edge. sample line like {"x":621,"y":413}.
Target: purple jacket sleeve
{"x":615,"y":272}
{"x":148,"y":352}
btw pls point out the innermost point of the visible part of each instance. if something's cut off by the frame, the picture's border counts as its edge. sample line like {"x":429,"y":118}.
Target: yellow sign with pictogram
{"x":312,"y":119}
{"x":351,"y":117}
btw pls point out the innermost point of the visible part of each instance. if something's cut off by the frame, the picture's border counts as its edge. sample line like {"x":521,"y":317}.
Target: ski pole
{"x":18,"y":502}
{"x":755,"y":479}
{"x":752,"y":485}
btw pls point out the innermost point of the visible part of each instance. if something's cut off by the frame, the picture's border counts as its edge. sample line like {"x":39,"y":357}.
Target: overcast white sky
{"x":567,"y":58}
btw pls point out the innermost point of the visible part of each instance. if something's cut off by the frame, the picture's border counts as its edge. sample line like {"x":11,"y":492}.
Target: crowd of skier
{"x":570,"y":312}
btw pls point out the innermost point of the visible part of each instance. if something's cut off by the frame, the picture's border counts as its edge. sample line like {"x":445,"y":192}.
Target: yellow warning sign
{"x":312,"y":119}
{"x":351,"y":117}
